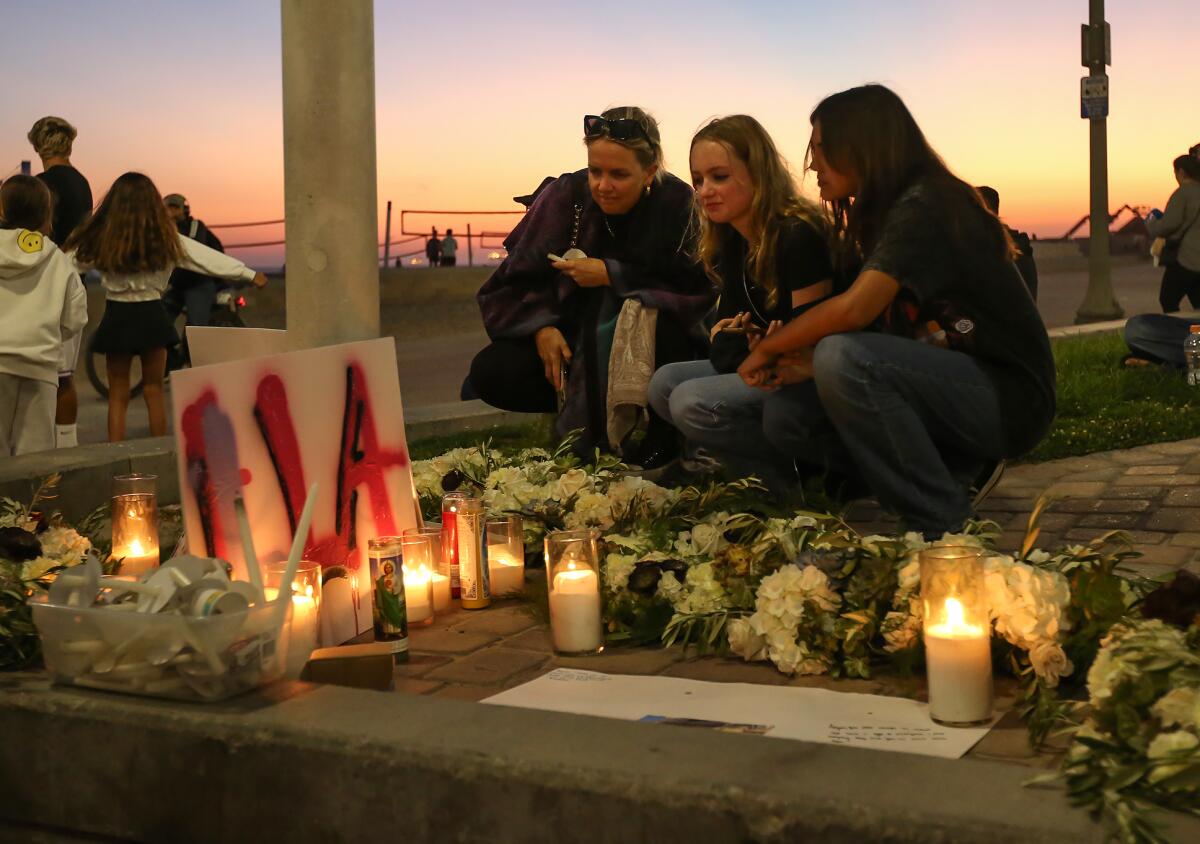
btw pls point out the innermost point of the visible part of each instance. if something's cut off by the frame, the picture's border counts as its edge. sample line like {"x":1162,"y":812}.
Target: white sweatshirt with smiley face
{"x":42,"y":303}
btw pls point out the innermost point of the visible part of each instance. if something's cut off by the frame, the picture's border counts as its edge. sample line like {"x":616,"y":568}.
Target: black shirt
{"x":72,"y":199}
{"x":956,"y":291}
{"x":801,"y":259}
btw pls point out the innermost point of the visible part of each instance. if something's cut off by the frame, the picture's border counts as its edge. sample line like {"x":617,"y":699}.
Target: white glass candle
{"x":418,"y":578}
{"x":441,"y":592}
{"x":957,"y":630}
{"x":576,"y":625}
{"x":135,"y":523}
{"x":305,"y":632}
{"x":506,"y":555}
{"x":441,"y":579}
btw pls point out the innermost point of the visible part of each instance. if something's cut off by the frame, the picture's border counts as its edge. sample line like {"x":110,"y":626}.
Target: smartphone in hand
{"x":563,"y":372}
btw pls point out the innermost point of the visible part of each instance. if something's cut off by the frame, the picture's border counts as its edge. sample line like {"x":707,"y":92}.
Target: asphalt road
{"x":445,"y":336}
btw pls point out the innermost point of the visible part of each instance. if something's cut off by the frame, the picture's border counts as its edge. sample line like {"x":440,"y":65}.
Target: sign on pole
{"x":1093,"y":97}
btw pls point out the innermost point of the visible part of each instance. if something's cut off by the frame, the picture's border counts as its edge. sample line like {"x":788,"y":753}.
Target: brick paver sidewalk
{"x":1152,"y":492}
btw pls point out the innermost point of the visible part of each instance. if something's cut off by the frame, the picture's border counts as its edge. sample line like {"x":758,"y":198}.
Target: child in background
{"x":42,"y":303}
{"x":134,"y":245}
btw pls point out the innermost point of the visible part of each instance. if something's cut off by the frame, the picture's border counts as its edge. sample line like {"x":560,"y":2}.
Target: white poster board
{"x":208,"y":344}
{"x":266,"y":429}
{"x":818,"y":715}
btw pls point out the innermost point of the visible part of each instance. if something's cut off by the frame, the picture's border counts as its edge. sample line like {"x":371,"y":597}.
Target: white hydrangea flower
{"x":670,"y":589}
{"x":1179,"y":707}
{"x":65,"y":545}
{"x":1106,"y":674}
{"x":910,"y":577}
{"x":1177,"y":744}
{"x":617,"y":568}
{"x":705,"y":593}
{"x":1174,"y":743}
{"x":795,"y":658}
{"x":37,"y":567}
{"x":591,"y":509}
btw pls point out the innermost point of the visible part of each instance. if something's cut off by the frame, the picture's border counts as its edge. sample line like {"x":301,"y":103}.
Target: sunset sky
{"x":476,"y":102}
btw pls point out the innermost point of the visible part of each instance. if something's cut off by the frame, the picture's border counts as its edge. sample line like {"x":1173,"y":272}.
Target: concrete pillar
{"x":329,"y":171}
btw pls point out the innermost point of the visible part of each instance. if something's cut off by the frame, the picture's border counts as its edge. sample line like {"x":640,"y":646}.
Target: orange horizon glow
{"x":482,"y":110}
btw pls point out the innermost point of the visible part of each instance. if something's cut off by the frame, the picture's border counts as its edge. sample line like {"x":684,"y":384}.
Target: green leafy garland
{"x":710,"y":566}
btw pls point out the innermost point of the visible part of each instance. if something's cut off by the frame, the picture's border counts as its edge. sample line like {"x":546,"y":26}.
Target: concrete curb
{"x":317,"y":764}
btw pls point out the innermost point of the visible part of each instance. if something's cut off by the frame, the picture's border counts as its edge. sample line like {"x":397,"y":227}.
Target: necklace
{"x":608,"y":226}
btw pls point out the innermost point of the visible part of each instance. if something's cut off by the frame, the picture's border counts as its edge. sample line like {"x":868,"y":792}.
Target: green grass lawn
{"x":1101,"y":406}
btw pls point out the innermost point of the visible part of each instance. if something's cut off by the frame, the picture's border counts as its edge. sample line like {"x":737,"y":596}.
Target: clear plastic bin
{"x":163,"y":655}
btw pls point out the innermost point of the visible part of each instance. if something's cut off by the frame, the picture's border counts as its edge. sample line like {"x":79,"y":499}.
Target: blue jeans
{"x":723,"y":416}
{"x":918,"y":422}
{"x":1158,"y":337}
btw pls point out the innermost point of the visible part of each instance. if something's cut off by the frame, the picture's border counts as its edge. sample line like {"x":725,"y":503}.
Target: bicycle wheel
{"x":97,"y":371}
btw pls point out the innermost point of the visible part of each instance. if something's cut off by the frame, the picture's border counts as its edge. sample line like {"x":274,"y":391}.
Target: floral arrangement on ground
{"x":716,"y":567}
{"x":35,"y":545}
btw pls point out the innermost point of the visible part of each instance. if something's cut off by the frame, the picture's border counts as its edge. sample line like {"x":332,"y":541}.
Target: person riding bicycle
{"x":188,"y":290}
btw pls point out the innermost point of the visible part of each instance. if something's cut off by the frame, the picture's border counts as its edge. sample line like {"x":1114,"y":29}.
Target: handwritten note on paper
{"x":857,"y":734}
{"x":818,"y":715}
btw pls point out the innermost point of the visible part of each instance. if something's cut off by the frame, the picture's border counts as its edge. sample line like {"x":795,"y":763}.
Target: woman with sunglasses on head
{"x":592,"y":241}
{"x":959,"y":374}
{"x":764,"y":246}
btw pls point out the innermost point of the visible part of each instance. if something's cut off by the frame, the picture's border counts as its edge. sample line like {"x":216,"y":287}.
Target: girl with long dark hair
{"x":134,"y":245}
{"x":957,"y":374}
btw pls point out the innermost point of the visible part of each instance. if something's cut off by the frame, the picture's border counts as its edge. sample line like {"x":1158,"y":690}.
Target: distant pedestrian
{"x":1024,"y":261}
{"x":433,"y":250}
{"x":135,"y":246}
{"x":449,"y":248}
{"x":52,"y":139}
{"x":1179,"y":225}
{"x":189,"y":291}
{"x":42,"y":303}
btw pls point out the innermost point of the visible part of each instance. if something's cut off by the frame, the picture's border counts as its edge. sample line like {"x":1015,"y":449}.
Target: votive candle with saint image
{"x":958,"y":635}
{"x":135,"y":523}
{"x":573,"y":578}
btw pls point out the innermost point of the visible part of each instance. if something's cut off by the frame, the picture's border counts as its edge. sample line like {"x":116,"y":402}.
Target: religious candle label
{"x":472,"y":557}
{"x":390,"y":614}
{"x":450,"y":550}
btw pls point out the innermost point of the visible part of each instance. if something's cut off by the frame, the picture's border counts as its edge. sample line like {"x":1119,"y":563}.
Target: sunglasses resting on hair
{"x":621,"y":129}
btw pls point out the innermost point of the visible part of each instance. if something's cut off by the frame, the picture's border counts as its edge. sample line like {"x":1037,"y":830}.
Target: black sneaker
{"x":986,"y":481}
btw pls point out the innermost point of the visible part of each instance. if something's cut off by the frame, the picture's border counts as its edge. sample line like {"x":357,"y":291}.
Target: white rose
{"x":744,"y":642}
{"x":569,"y":483}
{"x":1050,"y":662}
{"x":707,"y":540}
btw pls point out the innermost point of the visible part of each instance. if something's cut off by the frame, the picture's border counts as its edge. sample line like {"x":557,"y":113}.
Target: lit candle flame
{"x":135,"y":548}
{"x":954,"y":613}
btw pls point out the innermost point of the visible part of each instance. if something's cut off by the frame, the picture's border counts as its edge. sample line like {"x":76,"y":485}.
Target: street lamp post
{"x":1099,"y":303}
